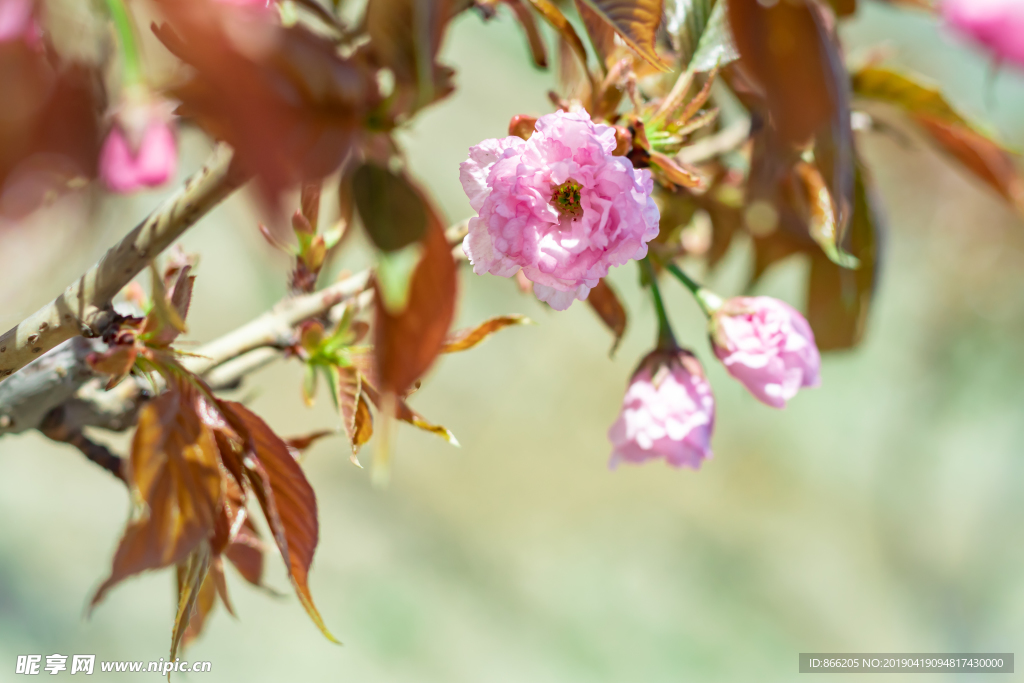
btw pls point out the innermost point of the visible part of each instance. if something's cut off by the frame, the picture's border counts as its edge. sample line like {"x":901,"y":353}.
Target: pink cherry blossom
{"x":559,"y":206}
{"x":768,"y":346}
{"x":153,"y":162}
{"x":998,"y":25}
{"x":668,"y":412}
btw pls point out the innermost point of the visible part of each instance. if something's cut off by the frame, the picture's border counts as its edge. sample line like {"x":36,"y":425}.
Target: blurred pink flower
{"x":17,"y":22}
{"x":768,"y":346}
{"x":559,"y":206}
{"x":995,"y":24}
{"x":125,"y":167}
{"x":668,"y":412}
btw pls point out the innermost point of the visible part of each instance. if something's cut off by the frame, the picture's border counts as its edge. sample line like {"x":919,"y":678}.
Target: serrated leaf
{"x":533,"y":36}
{"x":636,"y":22}
{"x":287,"y":500}
{"x":175,"y":481}
{"x":715,"y":47}
{"x":602,"y":35}
{"x":470,"y":337}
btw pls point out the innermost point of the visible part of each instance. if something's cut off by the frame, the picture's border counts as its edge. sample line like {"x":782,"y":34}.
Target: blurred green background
{"x":879,"y":513}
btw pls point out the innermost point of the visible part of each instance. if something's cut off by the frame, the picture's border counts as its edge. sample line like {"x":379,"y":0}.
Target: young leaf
{"x":406,"y":344}
{"x":470,"y":337}
{"x":246,"y":552}
{"x":347,"y":385}
{"x":205,"y":601}
{"x":175,"y":480}
{"x":192,"y":574}
{"x":606,"y":304}
{"x":636,"y":21}
{"x":286,"y":497}
{"x":406,"y":414}
{"x":677,"y":172}
{"x":715,"y":47}
{"x":390,"y":208}
{"x":821,"y":222}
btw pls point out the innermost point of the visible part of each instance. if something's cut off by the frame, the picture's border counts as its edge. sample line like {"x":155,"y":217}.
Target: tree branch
{"x":85,"y":306}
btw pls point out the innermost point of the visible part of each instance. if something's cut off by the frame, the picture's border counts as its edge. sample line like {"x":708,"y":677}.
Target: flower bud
{"x":140,"y":150}
{"x":668,"y":412}
{"x":767,"y":345}
{"x":997,"y":25}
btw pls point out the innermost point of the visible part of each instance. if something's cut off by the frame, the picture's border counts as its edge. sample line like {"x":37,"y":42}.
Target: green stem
{"x":708,"y":300}
{"x":125,"y":29}
{"x":666,"y":340}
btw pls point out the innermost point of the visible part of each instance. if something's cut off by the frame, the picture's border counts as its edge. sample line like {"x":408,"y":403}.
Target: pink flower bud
{"x":559,"y":206}
{"x":125,"y":167}
{"x":768,"y":346}
{"x":668,"y":412}
{"x":998,"y":25}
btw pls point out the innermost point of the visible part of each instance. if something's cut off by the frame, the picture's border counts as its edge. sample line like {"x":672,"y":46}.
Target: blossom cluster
{"x":558,"y":206}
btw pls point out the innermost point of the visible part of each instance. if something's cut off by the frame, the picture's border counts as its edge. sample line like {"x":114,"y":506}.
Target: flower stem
{"x":708,"y":300}
{"x":666,"y":340}
{"x":125,"y":30}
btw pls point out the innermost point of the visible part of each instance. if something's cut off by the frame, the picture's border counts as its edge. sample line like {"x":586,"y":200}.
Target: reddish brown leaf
{"x":246,"y":553}
{"x":470,"y":337}
{"x":533,"y":36}
{"x":406,"y":414}
{"x":606,"y":304}
{"x":554,"y":16}
{"x":983,"y":157}
{"x":176,"y":483}
{"x":838,"y":299}
{"x":406,"y":344}
{"x":286,"y":497}
{"x":282,"y":97}
{"x":602,"y":35}
{"x":298,"y":444}
{"x":636,"y":21}
{"x":783,"y":46}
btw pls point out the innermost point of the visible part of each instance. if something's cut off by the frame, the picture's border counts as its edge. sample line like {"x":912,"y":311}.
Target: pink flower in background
{"x":995,"y":24}
{"x":768,"y":346}
{"x":17,"y":22}
{"x":668,"y":412}
{"x":558,"y":206}
{"x":125,"y":167}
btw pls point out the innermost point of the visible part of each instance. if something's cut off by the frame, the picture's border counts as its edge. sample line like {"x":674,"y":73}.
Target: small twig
{"x":57,"y":428}
{"x":85,"y":306}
